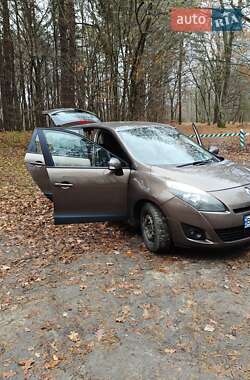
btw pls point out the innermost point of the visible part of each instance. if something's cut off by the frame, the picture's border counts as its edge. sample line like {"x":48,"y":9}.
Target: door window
{"x":37,"y":146}
{"x":68,"y":149}
{"x":34,"y":145}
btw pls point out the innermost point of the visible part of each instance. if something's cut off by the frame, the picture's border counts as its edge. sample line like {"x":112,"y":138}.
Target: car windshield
{"x":67,"y":117}
{"x":159,"y":145}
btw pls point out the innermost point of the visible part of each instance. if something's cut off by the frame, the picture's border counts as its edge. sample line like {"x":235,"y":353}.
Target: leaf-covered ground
{"x":89,"y":302}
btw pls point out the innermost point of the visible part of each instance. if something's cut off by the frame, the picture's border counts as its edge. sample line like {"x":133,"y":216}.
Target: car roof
{"x":123,"y":125}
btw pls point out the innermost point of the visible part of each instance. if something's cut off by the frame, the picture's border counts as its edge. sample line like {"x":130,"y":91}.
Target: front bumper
{"x":215,"y":226}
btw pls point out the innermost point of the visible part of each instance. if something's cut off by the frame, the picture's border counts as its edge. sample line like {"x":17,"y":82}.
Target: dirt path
{"x":126,"y":315}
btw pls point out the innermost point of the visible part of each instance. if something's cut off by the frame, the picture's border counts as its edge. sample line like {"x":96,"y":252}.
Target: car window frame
{"x":104,"y":130}
{"x":48,"y":158}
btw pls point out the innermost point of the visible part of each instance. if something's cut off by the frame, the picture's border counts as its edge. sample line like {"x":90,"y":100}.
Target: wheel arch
{"x":138,"y":206}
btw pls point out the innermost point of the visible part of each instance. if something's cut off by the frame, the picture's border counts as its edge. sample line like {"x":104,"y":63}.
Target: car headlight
{"x":197,"y":198}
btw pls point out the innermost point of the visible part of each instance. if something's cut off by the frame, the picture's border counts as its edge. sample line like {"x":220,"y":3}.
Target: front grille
{"x":242,"y":209}
{"x":232,"y":234}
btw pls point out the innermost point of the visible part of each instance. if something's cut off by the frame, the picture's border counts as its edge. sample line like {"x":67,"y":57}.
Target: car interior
{"x":108,"y":141}
{"x":105,"y":139}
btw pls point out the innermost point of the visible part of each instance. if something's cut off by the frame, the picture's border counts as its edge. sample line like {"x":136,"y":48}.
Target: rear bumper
{"x":217,"y":226}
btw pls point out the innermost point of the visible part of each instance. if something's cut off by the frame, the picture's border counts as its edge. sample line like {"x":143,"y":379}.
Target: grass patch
{"x":15,"y":139}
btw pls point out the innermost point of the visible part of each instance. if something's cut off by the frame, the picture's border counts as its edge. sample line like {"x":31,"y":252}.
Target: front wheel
{"x":154,"y":229}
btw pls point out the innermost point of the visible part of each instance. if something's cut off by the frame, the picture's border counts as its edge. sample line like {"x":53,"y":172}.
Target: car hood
{"x":211,"y":177}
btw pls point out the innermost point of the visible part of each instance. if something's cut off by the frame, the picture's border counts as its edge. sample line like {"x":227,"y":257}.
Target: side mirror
{"x":214,"y":150}
{"x":115,"y":165}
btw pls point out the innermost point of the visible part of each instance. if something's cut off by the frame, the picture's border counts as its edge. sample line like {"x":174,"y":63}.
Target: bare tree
{"x":66,"y":25}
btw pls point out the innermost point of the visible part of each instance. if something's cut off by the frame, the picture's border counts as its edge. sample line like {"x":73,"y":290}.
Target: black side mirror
{"x":214,"y":150}
{"x":115,"y":166}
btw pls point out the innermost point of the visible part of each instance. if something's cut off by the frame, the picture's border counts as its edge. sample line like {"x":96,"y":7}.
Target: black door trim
{"x":77,"y":219}
{"x":45,"y":149}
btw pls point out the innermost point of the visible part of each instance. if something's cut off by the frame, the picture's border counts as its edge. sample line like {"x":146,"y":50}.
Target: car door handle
{"x":37,"y":163}
{"x":63,"y":185}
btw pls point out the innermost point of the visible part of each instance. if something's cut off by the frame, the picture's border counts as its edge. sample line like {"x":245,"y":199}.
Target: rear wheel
{"x":154,"y":229}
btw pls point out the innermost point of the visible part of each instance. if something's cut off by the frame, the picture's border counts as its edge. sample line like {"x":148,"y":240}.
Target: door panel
{"x":36,"y":166}
{"x":83,"y":187}
{"x":95,"y":194}
{"x":35,"y":163}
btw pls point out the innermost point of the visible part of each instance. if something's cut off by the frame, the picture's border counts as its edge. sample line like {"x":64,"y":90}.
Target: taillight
{"x":85,"y":121}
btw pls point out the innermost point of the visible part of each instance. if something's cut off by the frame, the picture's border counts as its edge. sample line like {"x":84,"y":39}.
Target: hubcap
{"x":149,"y":228}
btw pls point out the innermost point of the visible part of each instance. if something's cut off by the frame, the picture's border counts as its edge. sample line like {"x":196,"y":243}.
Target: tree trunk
{"x":137,"y":84}
{"x":181,"y":53}
{"x":24,"y":110}
{"x":1,"y":81}
{"x":8,"y":75}
{"x":56,"y":90}
{"x":66,"y":24}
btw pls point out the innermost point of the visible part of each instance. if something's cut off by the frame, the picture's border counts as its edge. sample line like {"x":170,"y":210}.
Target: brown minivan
{"x":147,"y":173}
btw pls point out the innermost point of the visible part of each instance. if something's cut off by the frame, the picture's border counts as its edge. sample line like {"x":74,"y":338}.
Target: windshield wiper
{"x":197,"y":163}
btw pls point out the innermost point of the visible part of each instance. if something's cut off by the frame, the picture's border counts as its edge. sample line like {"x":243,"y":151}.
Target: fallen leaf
{"x":137,"y":292}
{"x":235,"y":289}
{"x":74,"y":336}
{"x":124,"y":314}
{"x":53,"y":362}
{"x":234,"y":332}
{"x":26,"y":364}
{"x":99,"y":334}
{"x":130,"y":254}
{"x":88,"y":347}
{"x":125,"y":285}
{"x":163,"y":270}
{"x":53,"y":346}
{"x":83,"y":287}
{"x":230,"y":336}
{"x":209,"y":328}
{"x":5,"y":267}
{"x":169,"y":350}
{"x":146,"y":311}
{"x":8,"y":374}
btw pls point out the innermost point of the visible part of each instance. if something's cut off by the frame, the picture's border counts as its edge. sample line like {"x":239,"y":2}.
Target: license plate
{"x":247,"y":221}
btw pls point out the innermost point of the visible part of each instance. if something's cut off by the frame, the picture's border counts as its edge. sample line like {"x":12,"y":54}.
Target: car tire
{"x":154,"y":228}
